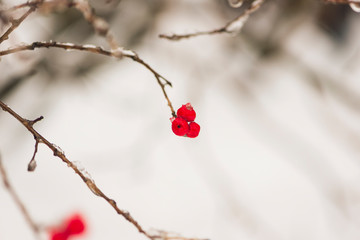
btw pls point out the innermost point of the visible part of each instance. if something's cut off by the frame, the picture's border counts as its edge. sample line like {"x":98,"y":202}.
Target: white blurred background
{"x":278,"y":105}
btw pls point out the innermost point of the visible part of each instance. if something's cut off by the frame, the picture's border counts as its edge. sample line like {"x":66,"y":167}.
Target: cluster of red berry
{"x":74,"y":225}
{"x":183,"y":124}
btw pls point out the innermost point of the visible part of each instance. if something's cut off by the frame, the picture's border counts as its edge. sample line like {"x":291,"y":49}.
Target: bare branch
{"x":23,"y":5}
{"x":83,"y":175}
{"x":16,"y":22}
{"x":117,"y":53}
{"x":100,"y":26}
{"x":173,"y":236}
{"x":233,"y":26}
{"x":47,"y":5}
{"x":176,"y":37}
{"x":34,"y":227}
{"x":89,"y":182}
{"x":341,"y":1}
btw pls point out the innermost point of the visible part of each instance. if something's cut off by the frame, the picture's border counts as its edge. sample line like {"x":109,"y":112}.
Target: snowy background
{"x":278,"y":155}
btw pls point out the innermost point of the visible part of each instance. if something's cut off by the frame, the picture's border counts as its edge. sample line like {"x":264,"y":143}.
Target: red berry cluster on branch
{"x":183,"y":124}
{"x":74,"y":225}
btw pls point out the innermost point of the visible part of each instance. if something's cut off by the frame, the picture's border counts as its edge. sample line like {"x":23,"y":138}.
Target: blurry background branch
{"x":20,"y":204}
{"x":100,"y":26}
{"x":341,"y":1}
{"x":16,"y":22}
{"x":234,"y":26}
{"x":28,"y":124}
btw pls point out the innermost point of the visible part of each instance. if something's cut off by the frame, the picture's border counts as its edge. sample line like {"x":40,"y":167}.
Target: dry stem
{"x":34,"y":227}
{"x":100,"y":26}
{"x":173,"y":236}
{"x":118,"y":53}
{"x":341,"y":1}
{"x":60,"y":154}
{"x":231,"y":27}
{"x":28,"y":124}
{"x":16,"y":22}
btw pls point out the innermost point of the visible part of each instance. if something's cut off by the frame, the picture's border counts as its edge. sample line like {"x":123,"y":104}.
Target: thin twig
{"x":176,"y":37}
{"x":341,"y":1}
{"x":44,"y":4}
{"x":87,"y":180}
{"x":34,"y":227}
{"x":100,"y":26}
{"x":20,"y":6}
{"x":32,"y":164}
{"x":16,"y":22}
{"x":118,"y":53}
{"x":173,"y":236}
{"x":231,"y":27}
{"x":28,"y":124}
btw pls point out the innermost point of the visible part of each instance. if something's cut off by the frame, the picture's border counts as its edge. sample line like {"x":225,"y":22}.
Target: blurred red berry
{"x":194,"y":130}
{"x":59,"y":236}
{"x":186,"y":112}
{"x":179,"y":126}
{"x":72,"y":226}
{"x":75,"y":225}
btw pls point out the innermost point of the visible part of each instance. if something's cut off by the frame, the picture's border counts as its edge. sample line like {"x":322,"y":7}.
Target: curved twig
{"x":233,"y":26}
{"x":87,"y":180}
{"x":16,"y":22}
{"x":117,"y":53}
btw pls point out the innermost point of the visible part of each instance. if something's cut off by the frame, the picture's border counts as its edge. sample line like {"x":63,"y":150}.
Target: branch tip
{"x":32,"y":122}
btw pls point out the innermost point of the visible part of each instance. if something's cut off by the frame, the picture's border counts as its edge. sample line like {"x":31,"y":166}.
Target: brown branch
{"x":118,"y":53}
{"x":176,"y":37}
{"x":100,"y":26}
{"x":28,"y":124}
{"x":173,"y":236}
{"x":341,"y":1}
{"x":48,"y":5}
{"x":87,"y":180}
{"x":32,"y":164}
{"x":233,"y":26}
{"x":23,"y":5}
{"x":35,"y":228}
{"x":16,"y":22}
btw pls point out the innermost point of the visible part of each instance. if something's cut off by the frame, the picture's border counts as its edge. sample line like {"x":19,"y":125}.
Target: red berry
{"x":59,"y":236}
{"x":179,"y":126}
{"x":75,"y":225}
{"x":186,"y":112}
{"x":194,"y":130}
